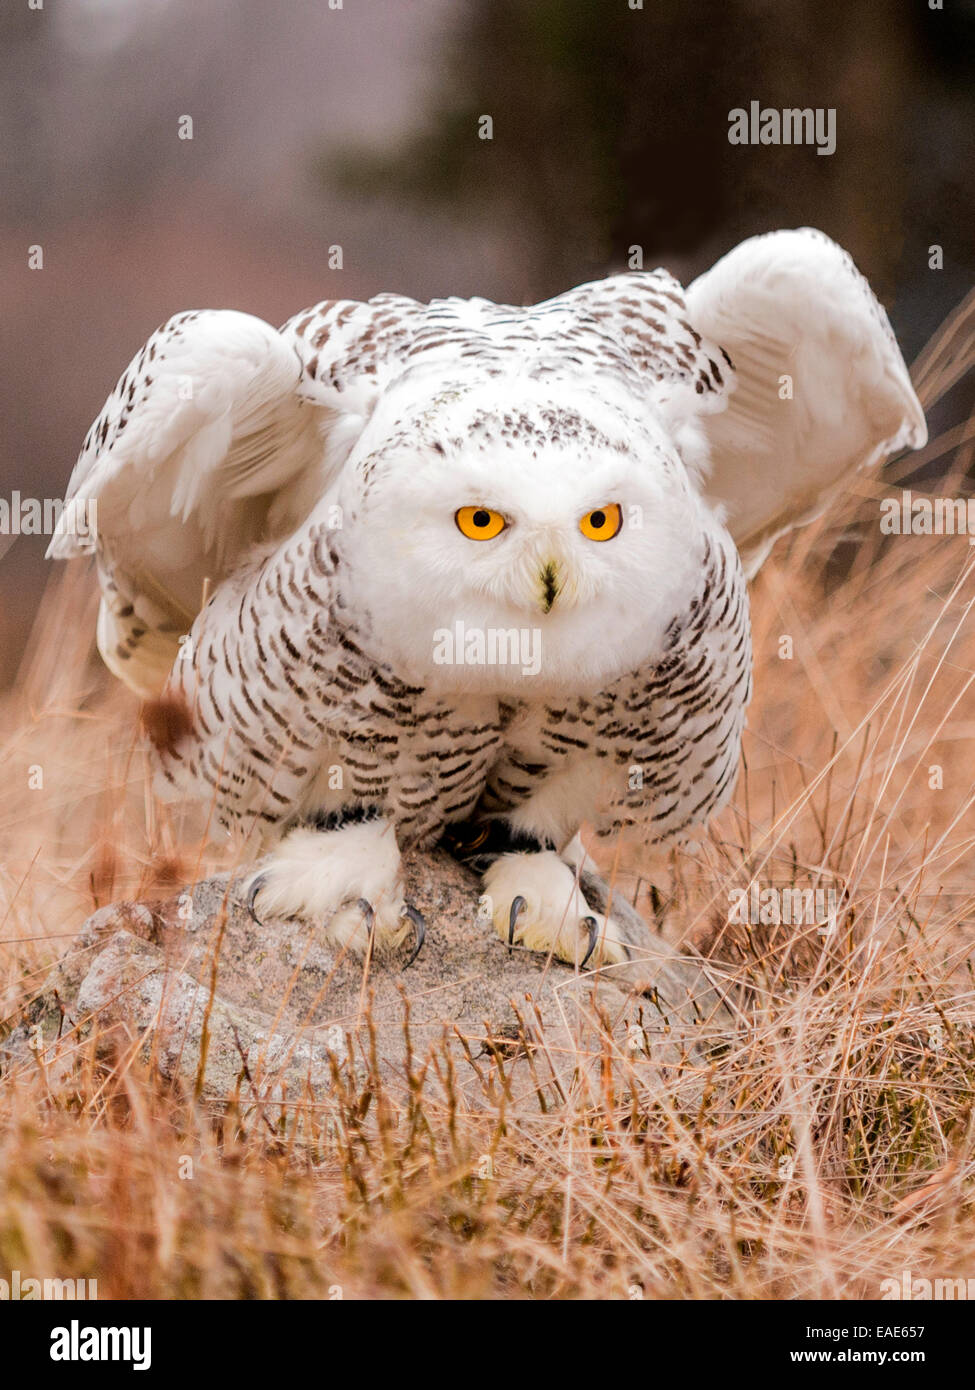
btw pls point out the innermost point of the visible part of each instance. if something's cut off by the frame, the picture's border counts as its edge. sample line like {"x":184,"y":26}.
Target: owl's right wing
{"x":223,"y":432}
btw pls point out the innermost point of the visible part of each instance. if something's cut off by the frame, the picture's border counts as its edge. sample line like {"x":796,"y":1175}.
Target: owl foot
{"x":347,"y":879}
{"x":534,"y":901}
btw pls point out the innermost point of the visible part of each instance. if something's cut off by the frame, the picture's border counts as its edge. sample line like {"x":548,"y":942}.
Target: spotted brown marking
{"x":167,"y":721}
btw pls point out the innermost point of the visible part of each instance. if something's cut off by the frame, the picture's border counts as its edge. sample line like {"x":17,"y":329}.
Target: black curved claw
{"x":252,"y":893}
{"x":518,"y":906}
{"x":592,"y":927}
{"x":365,"y":907}
{"x":420,"y":929}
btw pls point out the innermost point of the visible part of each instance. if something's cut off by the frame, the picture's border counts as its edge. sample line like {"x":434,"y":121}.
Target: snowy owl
{"x":469,"y":574}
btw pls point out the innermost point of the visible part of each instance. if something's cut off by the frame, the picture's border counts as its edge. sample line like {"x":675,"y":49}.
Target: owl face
{"x":518,"y":548}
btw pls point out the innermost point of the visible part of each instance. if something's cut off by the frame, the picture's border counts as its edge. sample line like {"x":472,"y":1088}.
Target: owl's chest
{"x":423,"y":760}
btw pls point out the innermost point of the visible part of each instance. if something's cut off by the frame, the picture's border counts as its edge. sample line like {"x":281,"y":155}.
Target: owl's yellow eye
{"x":479,"y":523}
{"x":602,"y":524}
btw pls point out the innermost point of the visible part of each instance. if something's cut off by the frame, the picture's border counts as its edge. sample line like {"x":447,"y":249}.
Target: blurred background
{"x":315,"y":127}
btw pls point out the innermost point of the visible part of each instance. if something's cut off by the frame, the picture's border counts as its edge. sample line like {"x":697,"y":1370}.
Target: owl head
{"x":518,"y":535}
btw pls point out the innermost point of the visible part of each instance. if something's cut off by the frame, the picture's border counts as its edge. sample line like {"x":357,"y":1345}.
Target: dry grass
{"x":826,"y":1147}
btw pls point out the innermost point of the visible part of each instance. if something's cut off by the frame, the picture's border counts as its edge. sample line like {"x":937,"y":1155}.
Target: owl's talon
{"x":592,"y":926}
{"x":536,"y":896}
{"x":252,"y":893}
{"x":518,"y":906}
{"x":420,"y":930}
{"x":366,"y":908}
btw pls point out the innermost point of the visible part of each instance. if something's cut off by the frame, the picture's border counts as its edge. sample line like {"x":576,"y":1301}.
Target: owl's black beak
{"x":551,"y":585}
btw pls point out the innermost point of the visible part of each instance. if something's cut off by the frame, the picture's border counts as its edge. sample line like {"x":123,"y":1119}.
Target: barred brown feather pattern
{"x":292,"y":719}
{"x":663,"y":742}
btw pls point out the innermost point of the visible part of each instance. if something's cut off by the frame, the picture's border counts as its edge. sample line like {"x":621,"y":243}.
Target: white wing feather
{"x":792,"y":304}
{"x":182,"y":465}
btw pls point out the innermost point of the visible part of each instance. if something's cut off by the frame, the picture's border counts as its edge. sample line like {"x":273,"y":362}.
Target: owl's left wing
{"x":821,"y":388}
{"x":776,"y":372}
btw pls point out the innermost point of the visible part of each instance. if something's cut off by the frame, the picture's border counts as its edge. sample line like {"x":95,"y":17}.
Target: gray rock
{"x":272,"y":1013}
